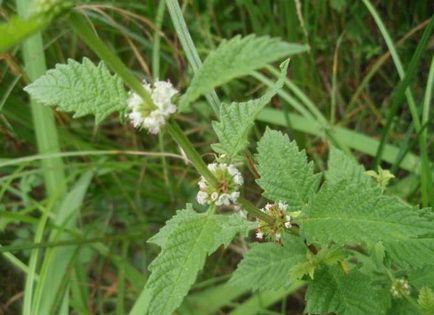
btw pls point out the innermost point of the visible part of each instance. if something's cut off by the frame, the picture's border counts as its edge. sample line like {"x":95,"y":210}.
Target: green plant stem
{"x":188,"y":47}
{"x":156,"y":76}
{"x":426,"y":177}
{"x":81,"y":27}
{"x":47,"y":142}
{"x":43,"y":118}
{"x":157,"y":40}
{"x":178,"y":135}
{"x":255,"y":211}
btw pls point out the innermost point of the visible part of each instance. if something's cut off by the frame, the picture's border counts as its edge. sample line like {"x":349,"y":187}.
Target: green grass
{"x":78,"y":202}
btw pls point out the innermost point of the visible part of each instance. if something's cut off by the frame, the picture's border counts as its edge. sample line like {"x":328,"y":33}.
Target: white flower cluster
{"x":161,"y":94}
{"x":229,"y":181}
{"x":282,"y":221}
{"x":400,"y":288}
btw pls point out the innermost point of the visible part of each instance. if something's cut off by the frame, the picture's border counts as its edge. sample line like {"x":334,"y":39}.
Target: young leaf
{"x":186,"y":242}
{"x":267,"y":265}
{"x":236,"y":119}
{"x":285,"y":173}
{"x":81,"y":88}
{"x":348,"y":213}
{"x":426,"y":301}
{"x":333,"y":291}
{"x":235,"y":58}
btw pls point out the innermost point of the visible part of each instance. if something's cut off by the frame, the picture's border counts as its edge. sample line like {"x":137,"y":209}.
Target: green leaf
{"x":422,"y":277}
{"x":403,"y":307}
{"x":426,"y":301}
{"x":416,"y":252}
{"x":236,"y":119}
{"x":18,"y":29}
{"x":347,"y":213}
{"x":186,"y":241}
{"x":81,"y":88}
{"x":341,"y":166}
{"x":179,"y":219}
{"x":285,"y":173}
{"x":267,"y":265}
{"x":230,"y":225}
{"x":235,"y":58}
{"x":333,"y":291}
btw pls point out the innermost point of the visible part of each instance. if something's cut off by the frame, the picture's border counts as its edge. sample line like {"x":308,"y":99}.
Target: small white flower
{"x":268,"y":206}
{"x":234,"y":196}
{"x":214,"y":196}
{"x":238,"y":179}
{"x":283,"y":205}
{"x":223,"y":166}
{"x":224,"y":199}
{"x":212,"y":167}
{"x":202,"y":197}
{"x":161,"y":95}
{"x":278,"y":236}
{"x":288,"y":221}
{"x":259,"y":235}
{"x":232,"y":170}
{"x":202,"y":183}
{"x":400,"y":288}
{"x":229,"y":181}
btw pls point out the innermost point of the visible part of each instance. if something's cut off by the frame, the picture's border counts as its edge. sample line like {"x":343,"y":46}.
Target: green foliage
{"x":422,"y":277}
{"x":353,"y":293}
{"x":285,"y":173}
{"x":235,"y":58}
{"x":426,"y":301}
{"x":185,"y":242}
{"x":267,"y":265}
{"x":18,"y":29}
{"x":81,"y":88}
{"x":237,"y":119}
{"x":341,"y":166}
{"x":416,"y":252}
{"x":347,"y":213}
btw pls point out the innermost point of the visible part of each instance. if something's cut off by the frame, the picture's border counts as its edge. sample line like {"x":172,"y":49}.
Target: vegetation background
{"x":124,"y":184}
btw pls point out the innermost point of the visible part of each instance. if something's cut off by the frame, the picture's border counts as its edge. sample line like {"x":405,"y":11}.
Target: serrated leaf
{"x":285,"y":173}
{"x":230,"y":225}
{"x":81,"y":88}
{"x":235,"y":58}
{"x":267,"y":265}
{"x":333,"y":291}
{"x":178,"y":219}
{"x":236,"y":119}
{"x":347,"y":213}
{"x":341,"y":166}
{"x":422,"y":277}
{"x":426,"y":301}
{"x":416,"y":252}
{"x":186,"y":242}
